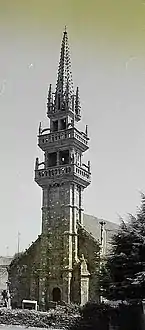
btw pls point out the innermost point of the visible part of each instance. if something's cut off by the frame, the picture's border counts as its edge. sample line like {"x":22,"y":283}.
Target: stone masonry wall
{"x":57,"y":240}
{"x":24,"y":275}
{"x":24,"y":270}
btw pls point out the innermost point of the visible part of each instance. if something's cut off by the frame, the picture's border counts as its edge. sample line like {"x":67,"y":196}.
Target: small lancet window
{"x":63,"y":106}
{"x":58,"y":101}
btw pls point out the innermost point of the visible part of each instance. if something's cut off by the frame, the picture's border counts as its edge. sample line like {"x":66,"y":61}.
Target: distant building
{"x":63,"y":263}
{"x":4,"y":263}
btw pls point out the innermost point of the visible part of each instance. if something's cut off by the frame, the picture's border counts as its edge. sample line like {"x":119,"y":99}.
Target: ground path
{"x":15,"y":327}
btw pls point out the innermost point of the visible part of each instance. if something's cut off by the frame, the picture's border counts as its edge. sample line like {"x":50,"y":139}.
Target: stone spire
{"x":64,"y":87}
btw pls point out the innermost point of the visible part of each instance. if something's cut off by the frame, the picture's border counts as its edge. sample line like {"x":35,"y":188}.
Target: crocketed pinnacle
{"x":64,"y":86}
{"x":50,"y":99}
{"x":77,"y":103}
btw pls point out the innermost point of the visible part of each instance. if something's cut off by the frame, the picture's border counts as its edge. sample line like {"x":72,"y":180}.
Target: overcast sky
{"x":107,"y":43}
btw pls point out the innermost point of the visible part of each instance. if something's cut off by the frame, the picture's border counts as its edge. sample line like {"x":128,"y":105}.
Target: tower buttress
{"x":62,"y":178}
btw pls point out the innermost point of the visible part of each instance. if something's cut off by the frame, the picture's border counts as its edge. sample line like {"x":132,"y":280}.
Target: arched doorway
{"x":56,"y":294}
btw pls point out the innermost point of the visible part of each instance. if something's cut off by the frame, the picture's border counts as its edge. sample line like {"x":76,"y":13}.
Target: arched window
{"x":58,"y":101}
{"x":56,"y":293}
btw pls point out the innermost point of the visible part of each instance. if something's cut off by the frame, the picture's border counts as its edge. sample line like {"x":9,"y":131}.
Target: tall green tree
{"x":123,"y":274}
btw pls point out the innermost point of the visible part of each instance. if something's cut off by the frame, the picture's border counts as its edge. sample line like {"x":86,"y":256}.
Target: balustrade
{"x":62,"y":170}
{"x":67,"y":134}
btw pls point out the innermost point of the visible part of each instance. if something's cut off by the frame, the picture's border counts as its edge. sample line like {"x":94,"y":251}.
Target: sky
{"x":107,"y":45}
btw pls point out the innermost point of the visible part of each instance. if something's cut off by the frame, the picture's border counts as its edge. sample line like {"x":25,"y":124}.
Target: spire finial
{"x":65,"y":29}
{"x":64,"y":86}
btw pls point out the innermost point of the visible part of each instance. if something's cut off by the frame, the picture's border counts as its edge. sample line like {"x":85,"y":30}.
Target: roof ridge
{"x":90,"y":234}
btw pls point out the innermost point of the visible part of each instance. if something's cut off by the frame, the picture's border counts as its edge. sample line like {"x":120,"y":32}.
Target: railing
{"x":63,"y":170}
{"x":79,"y":171}
{"x":80,"y":137}
{"x":61,"y":135}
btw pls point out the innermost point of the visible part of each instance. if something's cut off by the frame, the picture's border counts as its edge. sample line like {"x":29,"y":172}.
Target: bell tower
{"x":62,"y":177}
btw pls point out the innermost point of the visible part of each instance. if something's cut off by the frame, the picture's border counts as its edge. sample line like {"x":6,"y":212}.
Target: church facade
{"x":63,"y":263}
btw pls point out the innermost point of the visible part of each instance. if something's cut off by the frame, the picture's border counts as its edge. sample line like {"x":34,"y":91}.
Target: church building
{"x":62,"y":265}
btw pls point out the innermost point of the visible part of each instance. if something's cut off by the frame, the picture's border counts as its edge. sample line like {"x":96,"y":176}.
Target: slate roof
{"x":92,"y":225}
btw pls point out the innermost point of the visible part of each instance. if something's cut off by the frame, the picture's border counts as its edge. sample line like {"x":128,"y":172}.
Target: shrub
{"x":120,"y":316}
{"x":93,"y":316}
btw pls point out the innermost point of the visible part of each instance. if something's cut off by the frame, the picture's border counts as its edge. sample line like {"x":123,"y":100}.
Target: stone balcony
{"x":71,"y":135}
{"x":56,"y":174}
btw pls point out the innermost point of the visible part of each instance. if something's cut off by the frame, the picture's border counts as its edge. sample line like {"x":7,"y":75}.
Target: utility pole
{"x":102,"y":224}
{"x":18,"y":242}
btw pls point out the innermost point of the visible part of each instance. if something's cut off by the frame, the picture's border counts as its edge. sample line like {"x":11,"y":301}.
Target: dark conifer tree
{"x":123,"y":274}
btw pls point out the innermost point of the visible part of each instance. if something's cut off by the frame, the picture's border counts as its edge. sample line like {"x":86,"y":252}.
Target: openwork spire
{"x":64,"y":86}
{"x":64,"y":98}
